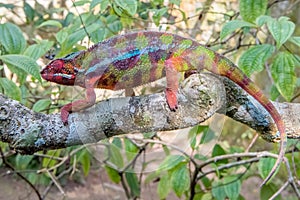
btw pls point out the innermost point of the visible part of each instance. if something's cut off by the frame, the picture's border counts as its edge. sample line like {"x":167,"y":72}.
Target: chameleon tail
{"x":226,"y":68}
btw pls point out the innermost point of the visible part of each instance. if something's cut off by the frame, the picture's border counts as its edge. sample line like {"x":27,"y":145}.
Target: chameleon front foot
{"x":171,"y":97}
{"x":64,"y":113}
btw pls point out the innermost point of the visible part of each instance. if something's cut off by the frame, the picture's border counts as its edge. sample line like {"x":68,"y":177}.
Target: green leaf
{"x":117,"y":142}
{"x":176,"y":2}
{"x":10,"y":89}
{"x":24,"y":63}
{"x":152,"y":177}
{"x":29,"y":12}
{"x":8,"y":5}
{"x":180,"y":180}
{"x":207,"y":136}
{"x":81,"y":2}
{"x":49,"y":162}
{"x":274,"y":93}
{"x":75,"y":37}
{"x":164,"y":186}
{"x":61,"y":36}
{"x":41,"y":105}
{"x":85,"y":160}
{"x":296,"y":60}
{"x":35,"y":51}
{"x":281,"y":30}
{"x":217,"y":151}
{"x":130,"y":6}
{"x":94,"y":3}
{"x":51,"y":22}
{"x":263,"y":19}
{"x":206,"y":181}
{"x":22,"y":161}
{"x":283,"y":73}
{"x":193,"y":140}
{"x":171,"y":161}
{"x":113,"y":174}
{"x":268,"y":190}
{"x":98,"y":36}
{"x":157,"y":15}
{"x":232,"y":187}
{"x":131,"y":149}
{"x":232,"y":26}
{"x":205,"y":196}
{"x":265,"y":165}
{"x":254,"y":58}
{"x":218,"y":190}
{"x":295,"y":40}
{"x":133,"y":183}
{"x":193,"y":133}
{"x":251,"y":9}
{"x":103,"y":4}
{"x":11,"y":38}
{"x":115,"y":156}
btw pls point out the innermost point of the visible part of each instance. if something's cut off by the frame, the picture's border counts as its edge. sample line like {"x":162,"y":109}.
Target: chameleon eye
{"x":57,"y":64}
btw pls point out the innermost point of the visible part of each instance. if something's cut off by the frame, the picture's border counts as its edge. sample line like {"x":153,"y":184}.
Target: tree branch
{"x":199,"y":99}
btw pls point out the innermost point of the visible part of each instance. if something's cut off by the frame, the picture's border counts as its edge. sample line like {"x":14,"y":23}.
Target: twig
{"x":81,"y":21}
{"x":54,"y":180}
{"x":124,"y":185}
{"x":63,"y":160}
{"x":279,"y":191}
{"x":20,"y":175}
{"x":252,"y":143}
{"x":238,"y":155}
{"x":173,"y":147}
{"x":229,"y":165}
{"x":134,"y":159}
{"x":51,"y":183}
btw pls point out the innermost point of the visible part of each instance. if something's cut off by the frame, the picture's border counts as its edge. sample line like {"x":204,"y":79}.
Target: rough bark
{"x":199,"y":99}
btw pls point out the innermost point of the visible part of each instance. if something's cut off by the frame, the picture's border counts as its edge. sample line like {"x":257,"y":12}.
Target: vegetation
{"x":253,"y":35}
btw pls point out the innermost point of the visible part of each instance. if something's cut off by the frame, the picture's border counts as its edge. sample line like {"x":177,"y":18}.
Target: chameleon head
{"x":60,"y":71}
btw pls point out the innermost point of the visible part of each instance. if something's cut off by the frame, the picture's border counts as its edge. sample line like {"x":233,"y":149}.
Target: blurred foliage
{"x":38,"y":30}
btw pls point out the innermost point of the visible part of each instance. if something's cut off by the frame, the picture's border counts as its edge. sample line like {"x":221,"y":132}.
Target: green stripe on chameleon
{"x":159,"y":69}
{"x":224,"y":67}
{"x":237,"y":75}
{"x":121,"y":43}
{"x":182,"y":66}
{"x":202,"y":57}
{"x":185,"y":44}
{"x":88,"y":58}
{"x":166,"y":39}
{"x":145,"y":64}
{"x":141,"y":41}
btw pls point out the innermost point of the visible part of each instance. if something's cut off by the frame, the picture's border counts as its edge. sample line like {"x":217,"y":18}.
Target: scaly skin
{"x":137,"y":58}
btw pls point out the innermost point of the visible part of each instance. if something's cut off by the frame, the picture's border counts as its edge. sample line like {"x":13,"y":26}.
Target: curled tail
{"x":226,"y":68}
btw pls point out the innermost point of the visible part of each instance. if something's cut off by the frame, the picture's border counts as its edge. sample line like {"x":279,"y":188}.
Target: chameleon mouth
{"x":67,"y":76}
{"x":45,"y":75}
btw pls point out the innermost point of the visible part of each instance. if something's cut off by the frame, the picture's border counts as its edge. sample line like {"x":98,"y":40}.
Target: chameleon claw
{"x":171,"y":97}
{"x":173,"y":109}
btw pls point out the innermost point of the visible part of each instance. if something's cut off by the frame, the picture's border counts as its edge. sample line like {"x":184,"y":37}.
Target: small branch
{"x":281,"y":189}
{"x":20,"y":175}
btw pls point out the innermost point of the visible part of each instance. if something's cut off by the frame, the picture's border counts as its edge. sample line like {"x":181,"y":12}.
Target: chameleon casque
{"x":137,"y":58}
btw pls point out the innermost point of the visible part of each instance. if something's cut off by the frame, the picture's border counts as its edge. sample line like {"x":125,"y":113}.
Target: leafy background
{"x":261,"y":36}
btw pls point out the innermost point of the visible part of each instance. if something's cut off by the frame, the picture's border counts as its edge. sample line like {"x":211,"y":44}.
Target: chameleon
{"x":128,"y":60}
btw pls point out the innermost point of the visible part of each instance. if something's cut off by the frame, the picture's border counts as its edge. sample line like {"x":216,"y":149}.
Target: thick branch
{"x":29,"y":132}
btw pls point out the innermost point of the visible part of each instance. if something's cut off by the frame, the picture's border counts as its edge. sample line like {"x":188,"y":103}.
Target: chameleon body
{"x":133,"y":59}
